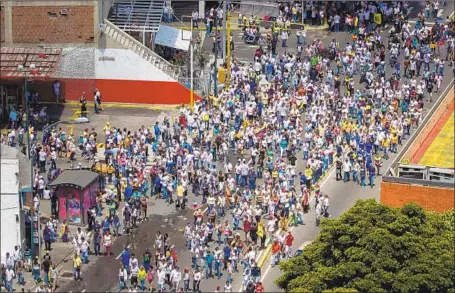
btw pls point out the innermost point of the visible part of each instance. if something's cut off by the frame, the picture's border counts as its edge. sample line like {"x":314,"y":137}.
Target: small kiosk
{"x":76,"y":191}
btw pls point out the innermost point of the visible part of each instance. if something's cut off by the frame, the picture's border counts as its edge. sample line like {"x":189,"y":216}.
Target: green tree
{"x":375,"y":248}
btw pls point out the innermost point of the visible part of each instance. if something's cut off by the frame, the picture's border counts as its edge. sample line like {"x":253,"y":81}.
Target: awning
{"x":172,"y":37}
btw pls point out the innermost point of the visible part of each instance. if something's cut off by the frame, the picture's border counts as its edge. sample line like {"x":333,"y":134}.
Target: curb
{"x":268,"y":250}
{"x":121,"y":105}
{"x":308,"y":28}
{"x":32,"y":289}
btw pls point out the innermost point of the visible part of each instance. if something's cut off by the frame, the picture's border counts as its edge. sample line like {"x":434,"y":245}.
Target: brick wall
{"x":2,"y":24}
{"x":36,"y":24}
{"x":430,"y":198}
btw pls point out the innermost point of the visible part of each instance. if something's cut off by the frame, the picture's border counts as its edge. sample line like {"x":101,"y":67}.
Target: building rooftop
{"x":12,"y":154}
{"x":75,"y":178}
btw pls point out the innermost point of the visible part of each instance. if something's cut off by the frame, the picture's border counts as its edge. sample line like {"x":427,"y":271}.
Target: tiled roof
{"x":45,"y":59}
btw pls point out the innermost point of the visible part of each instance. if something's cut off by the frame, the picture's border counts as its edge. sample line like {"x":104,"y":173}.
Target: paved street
{"x":101,"y":273}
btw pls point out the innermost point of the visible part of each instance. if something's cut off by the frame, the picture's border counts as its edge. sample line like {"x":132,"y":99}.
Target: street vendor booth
{"x":76,"y":191}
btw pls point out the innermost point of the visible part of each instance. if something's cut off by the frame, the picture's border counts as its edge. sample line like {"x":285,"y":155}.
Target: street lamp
{"x":35,"y":214}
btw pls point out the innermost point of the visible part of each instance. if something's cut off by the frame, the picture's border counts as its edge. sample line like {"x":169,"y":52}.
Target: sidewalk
{"x":59,"y":253}
{"x":235,"y":26}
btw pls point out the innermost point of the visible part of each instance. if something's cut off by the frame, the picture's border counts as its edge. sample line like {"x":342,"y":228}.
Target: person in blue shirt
{"x":126,"y":256}
{"x":256,"y":272}
{"x":209,"y":264}
{"x":371,"y":173}
{"x":116,"y":224}
{"x":325,"y":161}
{"x":128,"y":192}
{"x":169,"y":165}
{"x":283,"y":146}
{"x":302,"y":180}
{"x":397,"y":69}
{"x":158,"y":185}
{"x":97,"y":242}
{"x":362,"y":174}
{"x":13,"y":118}
{"x":157,"y":131}
{"x":252,"y":181}
{"x":269,"y":70}
{"x":106,"y":225}
{"x":227,"y":255}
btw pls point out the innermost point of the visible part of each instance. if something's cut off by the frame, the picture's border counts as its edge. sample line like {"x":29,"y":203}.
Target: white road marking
{"x":122,"y":252}
{"x":291,"y":229}
{"x":83,"y":290}
{"x":333,"y":170}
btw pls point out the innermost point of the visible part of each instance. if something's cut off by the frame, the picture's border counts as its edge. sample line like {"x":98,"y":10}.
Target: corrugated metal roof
{"x":45,"y":59}
{"x":76,"y":178}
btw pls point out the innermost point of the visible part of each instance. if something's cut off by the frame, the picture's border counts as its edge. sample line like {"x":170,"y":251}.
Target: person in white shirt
{"x":161,"y":279}
{"x":84,"y":249}
{"x":176,"y":277}
{"x":41,"y":185}
{"x":197,"y":276}
{"x":347,"y":167}
{"x":9,"y":279}
{"x":122,"y":277}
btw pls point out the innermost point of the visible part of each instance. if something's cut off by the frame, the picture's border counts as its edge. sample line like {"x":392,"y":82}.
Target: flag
{"x":260,"y":132}
{"x":377,"y":18}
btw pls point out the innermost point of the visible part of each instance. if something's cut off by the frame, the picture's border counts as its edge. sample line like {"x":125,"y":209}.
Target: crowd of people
{"x":252,"y":154}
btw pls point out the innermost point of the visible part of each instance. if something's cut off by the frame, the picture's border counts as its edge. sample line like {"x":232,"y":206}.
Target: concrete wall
{"x":10,"y":228}
{"x":124,"y":64}
{"x":427,"y":129}
{"x":41,"y":22}
{"x":2,"y":24}
{"x":430,"y":198}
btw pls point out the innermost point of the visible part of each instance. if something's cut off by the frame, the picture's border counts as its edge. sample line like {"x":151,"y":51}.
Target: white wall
{"x":10,"y":229}
{"x":126,"y":65}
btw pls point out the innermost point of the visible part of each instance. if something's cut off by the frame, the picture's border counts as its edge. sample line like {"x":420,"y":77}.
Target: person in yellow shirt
{"x":141,"y":275}
{"x":126,"y":141}
{"x":107,"y":127}
{"x":180,"y":196}
{"x":394,"y":142}
{"x":77,"y":267}
{"x":385,"y":147}
{"x":309,"y":177}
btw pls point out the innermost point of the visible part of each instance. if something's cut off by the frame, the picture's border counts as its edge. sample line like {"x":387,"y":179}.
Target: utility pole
{"x":303,"y":11}
{"x":215,"y":44}
{"x":191,"y":68}
{"x":35,"y":221}
{"x":225,"y":35}
{"x":228,"y":49}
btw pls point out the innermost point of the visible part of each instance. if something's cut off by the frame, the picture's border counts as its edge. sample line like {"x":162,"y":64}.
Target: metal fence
{"x":201,"y":85}
{"x":260,"y":9}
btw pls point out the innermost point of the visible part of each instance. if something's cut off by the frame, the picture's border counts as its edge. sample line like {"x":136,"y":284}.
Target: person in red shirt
{"x":246,"y":227}
{"x":259,"y":288}
{"x":276,"y":250}
{"x":288,"y":245}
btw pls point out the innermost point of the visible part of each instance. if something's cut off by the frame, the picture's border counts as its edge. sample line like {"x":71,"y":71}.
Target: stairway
{"x":200,"y":85}
{"x":137,"y":15}
{"x":113,"y":31}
